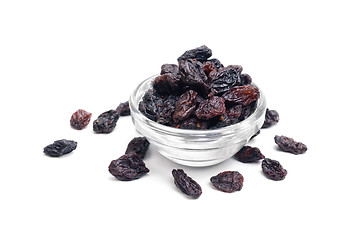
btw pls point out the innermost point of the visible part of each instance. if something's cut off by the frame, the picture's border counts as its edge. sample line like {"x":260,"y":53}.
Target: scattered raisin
{"x":201,"y":53}
{"x":186,"y":184}
{"x":123,"y":109}
{"x":249,"y":154}
{"x":242,"y":95}
{"x":211,"y":108}
{"x":80,"y":119}
{"x":138,"y":145}
{"x":228,"y":181}
{"x":271,"y":118}
{"x":287,"y":144}
{"x":128,"y":167}
{"x":273,"y":169}
{"x":185,"y":106}
{"x":60,"y":147}
{"x":106,"y":122}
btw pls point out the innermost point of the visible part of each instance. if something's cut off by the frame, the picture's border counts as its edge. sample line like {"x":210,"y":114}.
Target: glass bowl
{"x":197,"y":148}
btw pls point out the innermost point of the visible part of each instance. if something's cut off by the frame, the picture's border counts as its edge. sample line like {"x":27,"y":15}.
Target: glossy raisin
{"x":60,"y":147}
{"x":128,"y":167}
{"x":167,"y":83}
{"x":185,"y":106}
{"x":211,"y":108}
{"x":225,"y":79}
{"x":243,"y":95}
{"x":138,"y":145}
{"x":273,"y":169}
{"x":106,"y":122}
{"x":123,"y":109}
{"x":271,"y":118}
{"x":193,"y":76}
{"x":288,"y":144}
{"x":186,"y":184}
{"x":80,"y":119}
{"x":249,"y":154}
{"x":228,"y":181}
{"x":201,"y":53}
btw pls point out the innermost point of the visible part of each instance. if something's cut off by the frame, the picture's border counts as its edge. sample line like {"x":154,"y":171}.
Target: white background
{"x":59,"y":56}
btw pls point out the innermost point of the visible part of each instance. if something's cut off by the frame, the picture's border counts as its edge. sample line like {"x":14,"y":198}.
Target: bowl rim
{"x":135,"y":112}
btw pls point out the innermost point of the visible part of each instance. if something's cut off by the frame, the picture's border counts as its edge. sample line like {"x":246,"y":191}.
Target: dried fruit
{"x":211,"y":108}
{"x":271,"y":118}
{"x":167,"y":83}
{"x":169,"y":68}
{"x":193,"y":75}
{"x":138,"y":145}
{"x":201,"y":53}
{"x":185,"y":106}
{"x":194,"y":123}
{"x":225,"y":79}
{"x":149,"y":104}
{"x":60,"y":147}
{"x":165,"y":110}
{"x":128,"y":167}
{"x":216,"y":62}
{"x":245,"y":79}
{"x":123,"y":109}
{"x":249,"y":154}
{"x":228,"y":181}
{"x":186,"y":184}
{"x":106,"y":122}
{"x":80,"y":119}
{"x":243,"y":95}
{"x":288,"y":144}
{"x":273,"y":170}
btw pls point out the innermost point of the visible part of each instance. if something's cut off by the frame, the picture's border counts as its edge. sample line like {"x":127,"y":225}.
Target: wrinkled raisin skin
{"x":138,"y":145}
{"x":80,"y":119}
{"x":193,"y":76}
{"x":288,"y":144}
{"x":123,"y":109}
{"x":211,"y":108}
{"x":60,"y":147}
{"x":225,"y":79}
{"x":106,"y":122}
{"x":201,"y":53}
{"x":271,"y":118}
{"x":249,"y":154}
{"x":243,"y":95}
{"x":185,"y":106}
{"x":228,"y":181}
{"x":128,"y":167}
{"x":273,"y":169}
{"x":186,"y":184}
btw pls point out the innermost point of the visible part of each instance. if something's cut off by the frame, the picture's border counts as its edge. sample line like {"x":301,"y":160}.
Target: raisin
{"x":248,"y":110}
{"x":185,"y":106}
{"x":208,"y":67}
{"x":128,"y":167}
{"x":225,"y":79}
{"x":249,"y":154}
{"x":60,"y":147}
{"x":165,"y":110}
{"x":223,"y":121}
{"x":106,"y":122}
{"x":194,"y":123}
{"x":149,"y":104}
{"x":288,"y":144}
{"x":186,"y":184}
{"x":271,"y":118}
{"x":169,"y":68}
{"x":138,"y":145}
{"x":234,"y":111}
{"x":201,"y":53}
{"x":211,"y":108}
{"x":193,"y":76}
{"x":245,"y":79}
{"x":228,"y":181}
{"x":123,"y":109}
{"x":242,"y":95}
{"x":167,"y":83}
{"x":216,"y":62}
{"x":80,"y":119}
{"x":273,"y":169}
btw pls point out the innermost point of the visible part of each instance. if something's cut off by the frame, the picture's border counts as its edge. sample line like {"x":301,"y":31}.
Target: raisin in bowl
{"x":197,"y":148}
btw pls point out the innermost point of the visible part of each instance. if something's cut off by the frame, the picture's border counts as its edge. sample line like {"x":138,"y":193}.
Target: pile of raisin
{"x":200,"y":93}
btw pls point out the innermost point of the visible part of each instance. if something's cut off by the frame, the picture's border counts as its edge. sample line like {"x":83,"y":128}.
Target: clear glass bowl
{"x":195,"y":148}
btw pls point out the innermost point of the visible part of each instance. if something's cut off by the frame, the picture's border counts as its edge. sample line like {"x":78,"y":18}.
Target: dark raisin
{"x":216,"y":62}
{"x":149,"y":104}
{"x":271,"y":118}
{"x":167,"y":83}
{"x":128,"y":167}
{"x":165,"y":110}
{"x":245,"y":79}
{"x":60,"y":147}
{"x":208,"y":67}
{"x":288,"y":144}
{"x":169,"y":68}
{"x":211,"y":108}
{"x":273,"y":170}
{"x":225,"y":79}
{"x":201,"y":53}
{"x":194,"y":123}
{"x":193,"y":76}
{"x":223,"y":121}
{"x":106,"y":122}
{"x":249,"y":154}
{"x":186,"y":184}
{"x":123,"y":109}
{"x":248,"y":110}
{"x":80,"y":119}
{"x":185,"y":106}
{"x":243,"y":95}
{"x":138,"y":145}
{"x":228,"y":181}
{"x":234,"y":111}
